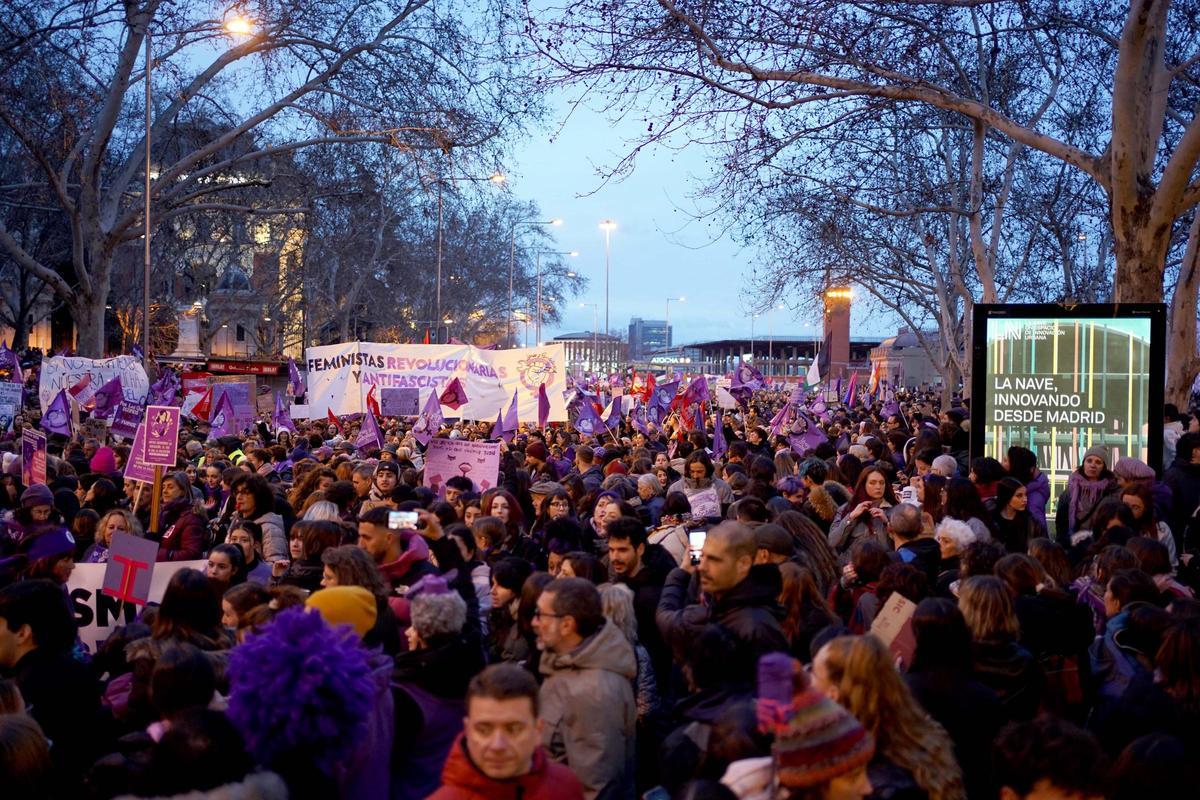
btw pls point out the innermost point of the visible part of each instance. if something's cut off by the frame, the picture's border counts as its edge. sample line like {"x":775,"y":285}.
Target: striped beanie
{"x":821,"y":740}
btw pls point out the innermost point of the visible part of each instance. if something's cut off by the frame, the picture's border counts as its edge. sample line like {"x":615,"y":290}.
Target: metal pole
{"x":607,"y":255}
{"x":770,"y":340}
{"x":538,"y":337}
{"x":512,"y":263}
{"x":595,"y":322}
{"x":438,"y":312}
{"x":146,"y":202}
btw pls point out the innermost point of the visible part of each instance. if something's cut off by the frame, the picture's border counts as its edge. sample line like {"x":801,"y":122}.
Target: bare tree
{"x":309,"y":72}
{"x":993,"y":63}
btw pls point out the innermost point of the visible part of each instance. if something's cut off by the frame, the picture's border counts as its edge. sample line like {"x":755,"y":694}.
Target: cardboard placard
{"x":136,"y":468}
{"x":160,"y":440}
{"x":446,"y":458}
{"x":893,"y":626}
{"x":97,"y":613}
{"x":130,"y":568}
{"x":403,"y":402}
{"x":33,"y":457}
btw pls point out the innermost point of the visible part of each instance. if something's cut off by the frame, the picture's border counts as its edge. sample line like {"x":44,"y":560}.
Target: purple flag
{"x":698,"y":423}
{"x":107,"y":398}
{"x":612,"y":419}
{"x":17,"y":376}
{"x":508,"y":426}
{"x":696,"y":392}
{"x":588,"y":423}
{"x":718,"y":443}
{"x":369,"y":434}
{"x":281,"y":419}
{"x":543,"y":406}
{"x":223,"y":418}
{"x":779,"y":420}
{"x":850,"y":390}
{"x":664,"y":395}
{"x":429,"y":422}
{"x":162,"y":391}
{"x":747,"y":376}
{"x":294,"y":382}
{"x":57,"y":418}
{"x":638,"y":420}
{"x":497,"y":426}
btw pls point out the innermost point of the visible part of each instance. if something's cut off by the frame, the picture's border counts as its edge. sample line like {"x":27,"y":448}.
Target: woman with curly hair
{"x":810,"y":543}
{"x":315,"y":480}
{"x":912,"y":751}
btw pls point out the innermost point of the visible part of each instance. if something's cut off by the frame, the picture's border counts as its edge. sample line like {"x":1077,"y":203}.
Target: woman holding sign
{"x":183,"y":529}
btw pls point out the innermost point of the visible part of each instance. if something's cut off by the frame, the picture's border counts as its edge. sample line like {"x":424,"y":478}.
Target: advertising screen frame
{"x":1156,"y":313}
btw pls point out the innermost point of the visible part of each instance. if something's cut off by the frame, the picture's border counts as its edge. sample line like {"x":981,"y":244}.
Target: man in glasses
{"x":587,"y":698}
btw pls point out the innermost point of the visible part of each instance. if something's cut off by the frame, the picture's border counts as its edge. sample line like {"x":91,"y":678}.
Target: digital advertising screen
{"x":1061,"y":379}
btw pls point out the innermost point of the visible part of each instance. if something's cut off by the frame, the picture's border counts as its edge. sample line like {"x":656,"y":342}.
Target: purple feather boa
{"x":301,"y":688}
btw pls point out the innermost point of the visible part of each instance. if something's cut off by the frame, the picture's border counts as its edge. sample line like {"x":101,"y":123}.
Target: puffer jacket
{"x":275,"y":544}
{"x":462,"y":780}
{"x":590,"y":716}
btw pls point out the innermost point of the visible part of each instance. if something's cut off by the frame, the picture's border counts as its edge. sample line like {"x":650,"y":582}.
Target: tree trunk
{"x":89,"y":325}
{"x":1141,"y":256}
{"x":1183,"y":362}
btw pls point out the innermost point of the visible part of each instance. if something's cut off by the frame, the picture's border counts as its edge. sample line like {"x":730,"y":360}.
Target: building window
{"x":241,"y":333}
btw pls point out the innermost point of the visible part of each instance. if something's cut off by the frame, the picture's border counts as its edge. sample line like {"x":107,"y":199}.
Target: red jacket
{"x":462,"y":780}
{"x":182,"y":532}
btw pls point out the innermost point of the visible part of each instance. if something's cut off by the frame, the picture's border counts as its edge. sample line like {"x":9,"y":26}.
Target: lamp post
{"x":236,"y":25}
{"x":668,"y":320}
{"x":608,"y":226}
{"x":572,"y":254}
{"x":595,"y":313}
{"x":512,"y":262}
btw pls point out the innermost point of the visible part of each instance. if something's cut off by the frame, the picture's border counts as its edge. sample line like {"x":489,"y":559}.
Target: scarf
{"x":1083,"y":496}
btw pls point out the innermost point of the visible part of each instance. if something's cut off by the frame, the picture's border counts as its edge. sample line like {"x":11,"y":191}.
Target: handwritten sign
{"x":160,"y":439}
{"x":399,"y":402}
{"x":446,"y":458}
{"x":129,"y":415}
{"x":705,"y":503}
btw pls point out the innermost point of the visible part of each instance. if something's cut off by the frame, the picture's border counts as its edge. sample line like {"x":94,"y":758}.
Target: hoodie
{"x":462,"y":780}
{"x":589,"y":712}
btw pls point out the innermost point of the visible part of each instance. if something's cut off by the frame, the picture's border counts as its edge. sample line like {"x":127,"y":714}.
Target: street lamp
{"x":608,"y":226}
{"x":595,"y":312}
{"x":572,"y":254}
{"x":512,"y":262}
{"x":236,"y":25}
{"x":669,"y":299}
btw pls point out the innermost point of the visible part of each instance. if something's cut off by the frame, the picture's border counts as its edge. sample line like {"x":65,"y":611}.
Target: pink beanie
{"x":104,"y":461}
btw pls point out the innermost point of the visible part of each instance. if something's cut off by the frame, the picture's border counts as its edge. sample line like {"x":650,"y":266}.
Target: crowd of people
{"x":641,"y":613}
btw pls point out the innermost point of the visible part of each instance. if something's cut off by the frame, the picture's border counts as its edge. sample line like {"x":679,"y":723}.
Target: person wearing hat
{"x":387,"y":475}
{"x":536,"y":461}
{"x":50,"y":555}
{"x":821,"y":751}
{"x":1090,"y":483}
{"x":37,"y":508}
{"x":430,"y":685}
{"x":539,"y":492}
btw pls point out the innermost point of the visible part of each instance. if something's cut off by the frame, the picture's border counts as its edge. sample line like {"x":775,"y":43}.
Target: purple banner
{"x":161,"y":437}
{"x":129,"y":416}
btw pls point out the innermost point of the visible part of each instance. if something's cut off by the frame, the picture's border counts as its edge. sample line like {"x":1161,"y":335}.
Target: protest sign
{"x":136,"y":468}
{"x":33,"y":457}
{"x":130,"y":568}
{"x":893,"y":627}
{"x":446,"y":458}
{"x":129,"y":415}
{"x":705,"y":503}
{"x":10,"y":396}
{"x":341,"y":375}
{"x":61,"y":372}
{"x":400,"y":402}
{"x":241,"y":393}
{"x":160,"y":441}
{"x":98,"y":614}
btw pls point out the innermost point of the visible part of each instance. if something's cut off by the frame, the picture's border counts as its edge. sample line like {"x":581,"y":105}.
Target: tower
{"x":837,"y":329}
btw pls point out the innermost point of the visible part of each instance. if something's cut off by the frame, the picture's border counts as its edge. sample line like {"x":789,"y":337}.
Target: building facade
{"x":647,"y":336}
{"x":597,"y":353}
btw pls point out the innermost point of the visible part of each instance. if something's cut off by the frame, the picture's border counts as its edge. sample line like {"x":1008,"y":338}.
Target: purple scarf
{"x":1083,"y":496}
